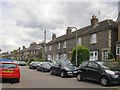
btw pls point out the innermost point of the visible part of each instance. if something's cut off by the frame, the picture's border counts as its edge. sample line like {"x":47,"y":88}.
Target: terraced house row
{"x":100,"y":37}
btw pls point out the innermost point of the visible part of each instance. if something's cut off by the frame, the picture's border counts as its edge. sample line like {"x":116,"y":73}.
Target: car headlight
{"x":66,"y":68}
{"x":112,"y":73}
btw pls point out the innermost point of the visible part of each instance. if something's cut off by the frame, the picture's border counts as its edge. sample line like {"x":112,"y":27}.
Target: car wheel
{"x":42,"y":69}
{"x":79,"y":77}
{"x":104,"y":81}
{"x":51,"y":72}
{"x":37,"y":69}
{"x":62,"y":74}
{"x":16,"y":81}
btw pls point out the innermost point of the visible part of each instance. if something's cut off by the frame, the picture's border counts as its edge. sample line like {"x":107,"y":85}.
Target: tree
{"x":82,"y":54}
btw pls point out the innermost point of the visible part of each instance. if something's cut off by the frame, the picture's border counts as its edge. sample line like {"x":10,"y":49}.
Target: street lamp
{"x":76,"y":44}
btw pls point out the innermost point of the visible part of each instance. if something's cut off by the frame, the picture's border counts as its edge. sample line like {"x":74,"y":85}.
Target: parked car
{"x":63,"y":68}
{"x":33,"y":65}
{"x":10,"y":71}
{"x":103,"y":72}
{"x":15,"y":61}
{"x":44,"y":66}
{"x":21,"y":63}
{"x":5,"y":60}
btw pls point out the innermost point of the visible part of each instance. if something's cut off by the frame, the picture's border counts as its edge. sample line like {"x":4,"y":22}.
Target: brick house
{"x":118,"y":41}
{"x":33,"y":51}
{"x":99,"y":37}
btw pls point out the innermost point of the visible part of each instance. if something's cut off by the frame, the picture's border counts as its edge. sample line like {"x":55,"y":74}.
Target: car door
{"x":93,"y":71}
{"x":56,"y":67}
{"x":83,"y":68}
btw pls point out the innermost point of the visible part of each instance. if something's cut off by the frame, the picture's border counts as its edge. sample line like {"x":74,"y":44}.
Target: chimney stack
{"x":94,"y":21}
{"x":24,"y":47}
{"x":69,"y":30}
{"x":53,"y":36}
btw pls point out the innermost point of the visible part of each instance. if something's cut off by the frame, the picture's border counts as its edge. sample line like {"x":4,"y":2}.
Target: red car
{"x":9,"y":70}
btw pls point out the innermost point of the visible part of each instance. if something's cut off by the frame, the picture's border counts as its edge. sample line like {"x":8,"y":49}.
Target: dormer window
{"x":93,"y":38}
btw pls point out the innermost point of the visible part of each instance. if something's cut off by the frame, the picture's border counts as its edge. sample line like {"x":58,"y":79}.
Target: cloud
{"x":25,"y":22}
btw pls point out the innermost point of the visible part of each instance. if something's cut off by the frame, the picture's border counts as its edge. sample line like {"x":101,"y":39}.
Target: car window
{"x":7,"y":65}
{"x":92,"y":65}
{"x":84,"y":64}
{"x":58,"y":63}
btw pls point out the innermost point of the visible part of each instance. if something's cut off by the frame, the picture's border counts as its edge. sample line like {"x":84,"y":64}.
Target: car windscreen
{"x":47,"y":63}
{"x":7,"y":65}
{"x":67,"y":63}
{"x":108,"y":65}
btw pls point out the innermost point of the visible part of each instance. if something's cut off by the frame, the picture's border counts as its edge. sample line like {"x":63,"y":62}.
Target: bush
{"x":82,"y":54}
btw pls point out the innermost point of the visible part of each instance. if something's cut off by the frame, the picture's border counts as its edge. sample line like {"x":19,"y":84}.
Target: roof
{"x":33,"y":47}
{"x":104,"y":25}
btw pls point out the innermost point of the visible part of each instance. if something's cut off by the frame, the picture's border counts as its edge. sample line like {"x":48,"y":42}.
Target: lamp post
{"x":76,"y":44}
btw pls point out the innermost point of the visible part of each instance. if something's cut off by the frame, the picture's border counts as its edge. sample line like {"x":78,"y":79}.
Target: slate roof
{"x":104,"y":25}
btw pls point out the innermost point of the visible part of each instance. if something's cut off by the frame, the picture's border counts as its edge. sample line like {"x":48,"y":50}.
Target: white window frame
{"x":105,"y":54}
{"x":93,"y":38}
{"x":79,"y":41}
{"x":94,"y":57}
{"x":50,"y":47}
{"x":64,"y":44}
{"x":64,"y":56}
{"x":118,"y":48}
{"x":49,"y":57}
{"x":58,"y":45}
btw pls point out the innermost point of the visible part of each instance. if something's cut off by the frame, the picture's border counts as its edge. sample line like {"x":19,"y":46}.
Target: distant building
{"x":34,"y":51}
{"x":99,"y":37}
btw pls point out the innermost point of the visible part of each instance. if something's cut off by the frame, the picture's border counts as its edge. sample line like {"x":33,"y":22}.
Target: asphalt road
{"x":34,"y":79}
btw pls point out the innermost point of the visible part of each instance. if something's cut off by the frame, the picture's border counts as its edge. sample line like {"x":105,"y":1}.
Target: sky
{"x":24,"y":21}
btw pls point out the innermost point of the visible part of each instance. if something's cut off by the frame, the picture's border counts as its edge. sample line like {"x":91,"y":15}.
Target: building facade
{"x":99,"y":37}
{"x":34,"y":51}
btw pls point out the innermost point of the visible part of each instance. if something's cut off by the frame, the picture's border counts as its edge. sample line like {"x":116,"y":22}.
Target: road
{"x":34,"y":79}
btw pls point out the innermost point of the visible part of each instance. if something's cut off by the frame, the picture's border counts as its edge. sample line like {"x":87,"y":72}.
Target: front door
{"x":93,"y":55}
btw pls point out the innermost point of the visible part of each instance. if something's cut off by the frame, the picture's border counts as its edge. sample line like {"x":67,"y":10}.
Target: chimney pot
{"x":69,"y":30}
{"x":53,"y":36}
{"x":94,"y":21}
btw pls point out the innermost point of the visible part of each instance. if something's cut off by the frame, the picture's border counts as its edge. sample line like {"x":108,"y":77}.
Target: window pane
{"x":93,"y":38}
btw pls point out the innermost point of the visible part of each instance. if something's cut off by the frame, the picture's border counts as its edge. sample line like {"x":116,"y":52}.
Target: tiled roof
{"x":33,"y":47}
{"x":104,"y":25}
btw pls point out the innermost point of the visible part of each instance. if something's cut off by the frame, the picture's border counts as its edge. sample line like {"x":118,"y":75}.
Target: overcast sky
{"x":24,"y":21}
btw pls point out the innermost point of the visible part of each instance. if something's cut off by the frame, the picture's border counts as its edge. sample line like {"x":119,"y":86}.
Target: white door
{"x":93,"y":55}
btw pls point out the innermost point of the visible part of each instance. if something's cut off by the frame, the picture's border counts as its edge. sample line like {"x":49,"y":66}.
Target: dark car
{"x":33,"y":65}
{"x":44,"y":66}
{"x":21,"y":63}
{"x":103,"y":72}
{"x":63,"y":68}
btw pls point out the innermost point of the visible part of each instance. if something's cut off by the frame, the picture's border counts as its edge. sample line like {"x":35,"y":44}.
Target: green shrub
{"x":82,"y":54}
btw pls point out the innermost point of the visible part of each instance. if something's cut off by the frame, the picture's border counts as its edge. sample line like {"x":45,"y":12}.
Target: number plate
{"x":8,"y":71}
